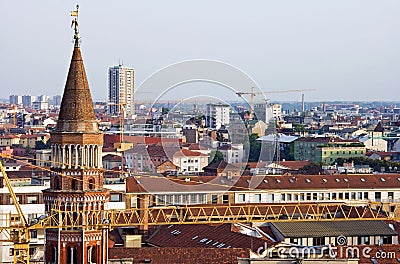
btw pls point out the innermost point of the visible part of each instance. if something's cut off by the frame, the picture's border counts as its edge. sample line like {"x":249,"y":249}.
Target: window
{"x":32,"y":199}
{"x":340,"y":195}
{"x":378,"y":196}
{"x":214,"y":199}
{"x":308,"y":196}
{"x":315,"y":196}
{"x":134,"y":202}
{"x":242,"y":197}
{"x":257,"y":198}
{"x":225,"y":198}
{"x":18,"y":198}
{"x":115,"y":197}
{"x":74,"y":184}
{"x":33,"y":233}
{"x":318,"y":241}
{"x":295,"y":240}
{"x":390,"y":195}
{"x":346,"y":195}
{"x":363,"y":240}
{"x":386,"y":240}
{"x":169,"y":199}
{"x":353,"y":195}
{"x":193,"y":198}
{"x":283,"y":197}
{"x":334,"y":197}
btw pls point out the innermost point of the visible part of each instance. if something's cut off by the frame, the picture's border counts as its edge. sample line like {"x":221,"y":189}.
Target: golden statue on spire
{"x":75,"y":25}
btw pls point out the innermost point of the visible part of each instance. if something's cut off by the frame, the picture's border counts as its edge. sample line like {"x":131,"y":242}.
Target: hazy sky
{"x":345,"y":49}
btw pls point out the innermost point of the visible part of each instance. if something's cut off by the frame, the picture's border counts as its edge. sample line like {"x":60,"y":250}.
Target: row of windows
{"x":314,"y":196}
{"x":324,"y":196}
{"x":177,"y":199}
{"x":343,"y":152}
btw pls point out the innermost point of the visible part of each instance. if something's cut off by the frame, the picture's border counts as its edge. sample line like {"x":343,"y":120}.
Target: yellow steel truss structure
{"x":207,"y":214}
{"x":199,"y":214}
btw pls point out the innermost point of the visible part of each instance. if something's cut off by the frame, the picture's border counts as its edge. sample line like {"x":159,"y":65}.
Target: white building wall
{"x":217,"y":115}
{"x":121,"y":90}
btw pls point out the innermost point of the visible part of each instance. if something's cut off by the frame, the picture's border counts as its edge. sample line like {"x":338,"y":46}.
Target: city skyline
{"x":344,"y":50}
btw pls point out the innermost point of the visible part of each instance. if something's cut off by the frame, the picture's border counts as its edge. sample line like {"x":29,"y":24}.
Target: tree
{"x":254,"y":148}
{"x":165,"y":110}
{"x":313,"y":168}
{"x":41,"y":145}
{"x":215,"y":157}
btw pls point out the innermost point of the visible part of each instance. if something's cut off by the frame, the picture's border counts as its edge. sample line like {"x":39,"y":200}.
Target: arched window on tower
{"x":91,"y":183}
{"x":54,"y":255}
{"x":71,"y":255}
{"x":91,"y":254}
{"x":56,"y":183}
{"x":74,"y":184}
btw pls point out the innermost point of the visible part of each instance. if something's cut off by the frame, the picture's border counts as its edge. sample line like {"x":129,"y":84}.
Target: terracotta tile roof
{"x":294,"y":164}
{"x":178,"y":255}
{"x":8,"y":136}
{"x":304,"y":182}
{"x":110,"y":139}
{"x":189,"y":153}
{"x":221,"y":165}
{"x":326,"y":140}
{"x":112,"y":157}
{"x":208,"y":236}
{"x":269,"y":182}
{"x":76,"y":111}
{"x":382,"y":153}
{"x":197,"y":146}
{"x":226,"y":147}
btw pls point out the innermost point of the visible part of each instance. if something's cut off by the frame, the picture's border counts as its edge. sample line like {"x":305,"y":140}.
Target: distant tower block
{"x":121,"y":91}
{"x":77,"y":179}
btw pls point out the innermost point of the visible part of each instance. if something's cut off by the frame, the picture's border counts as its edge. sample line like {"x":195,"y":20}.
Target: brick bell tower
{"x":77,"y":178}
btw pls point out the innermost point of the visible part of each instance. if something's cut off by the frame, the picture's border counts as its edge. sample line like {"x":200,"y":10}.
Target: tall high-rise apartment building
{"x":27,"y":100}
{"x":217,"y":115}
{"x":121,"y":90}
{"x":15,"y":99}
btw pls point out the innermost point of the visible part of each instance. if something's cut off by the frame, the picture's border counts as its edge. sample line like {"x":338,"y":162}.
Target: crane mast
{"x":19,"y":232}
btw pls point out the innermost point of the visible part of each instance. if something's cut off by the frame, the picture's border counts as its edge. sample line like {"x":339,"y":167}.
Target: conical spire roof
{"x":76,"y":112}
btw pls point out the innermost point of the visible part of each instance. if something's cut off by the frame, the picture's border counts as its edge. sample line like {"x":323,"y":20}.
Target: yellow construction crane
{"x":18,"y":229}
{"x":252,"y":94}
{"x":63,"y":217}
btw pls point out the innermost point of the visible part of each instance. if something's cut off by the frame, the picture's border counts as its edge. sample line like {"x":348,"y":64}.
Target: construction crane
{"x":65,"y":217}
{"x":253,"y":94}
{"x":14,"y":108}
{"x":18,"y":229}
{"x":62,"y":217}
{"x":121,"y":136}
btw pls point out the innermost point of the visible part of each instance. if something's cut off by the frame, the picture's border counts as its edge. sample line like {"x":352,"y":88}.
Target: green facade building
{"x":327,"y":149}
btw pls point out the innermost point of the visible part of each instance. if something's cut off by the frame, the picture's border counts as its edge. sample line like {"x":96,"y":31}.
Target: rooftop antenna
{"x":75,"y":25}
